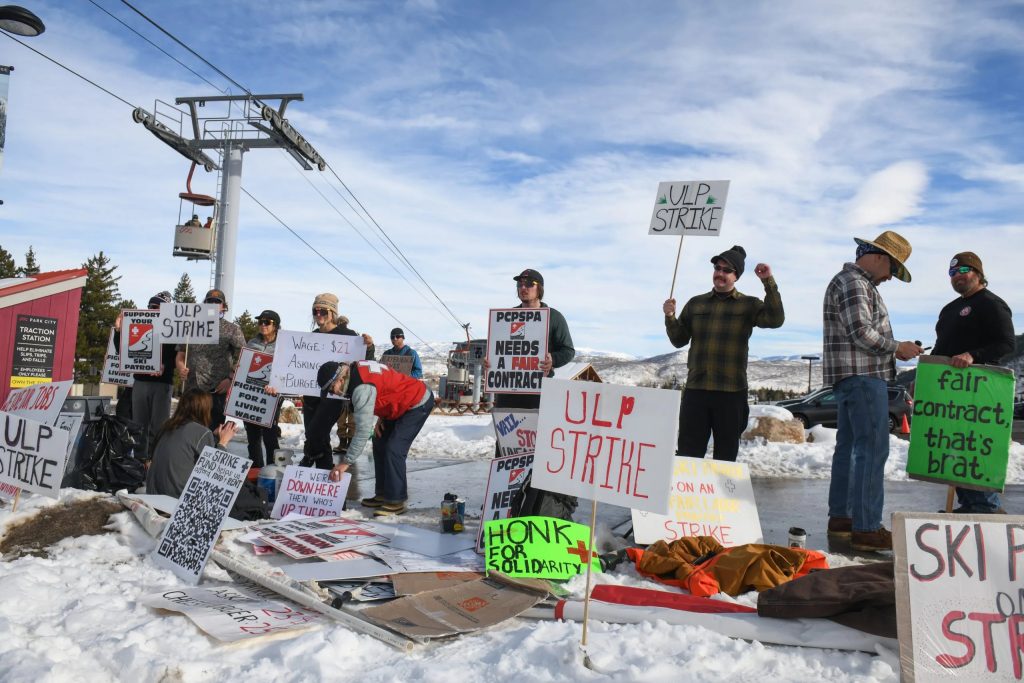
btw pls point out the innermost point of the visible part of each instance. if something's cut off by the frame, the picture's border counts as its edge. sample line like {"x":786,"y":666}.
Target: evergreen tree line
{"x":101,"y":302}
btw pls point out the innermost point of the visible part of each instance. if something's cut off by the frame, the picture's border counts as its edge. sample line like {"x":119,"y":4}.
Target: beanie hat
{"x":163,"y":297}
{"x":968,"y":258}
{"x":735,"y":257}
{"x":326,"y":300}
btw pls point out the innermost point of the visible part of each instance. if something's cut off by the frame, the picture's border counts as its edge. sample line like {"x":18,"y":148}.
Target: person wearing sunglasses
{"x":209,"y":367}
{"x":858,"y":360}
{"x":320,"y":415}
{"x":259,"y":437}
{"x":400,"y":348}
{"x":717,"y":325}
{"x":151,"y":394}
{"x":530,"y":290}
{"x":975,"y":327}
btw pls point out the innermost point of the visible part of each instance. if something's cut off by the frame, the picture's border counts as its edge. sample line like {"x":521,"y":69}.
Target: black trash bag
{"x":251,"y":504}
{"x":106,"y":457}
{"x":530,"y":502}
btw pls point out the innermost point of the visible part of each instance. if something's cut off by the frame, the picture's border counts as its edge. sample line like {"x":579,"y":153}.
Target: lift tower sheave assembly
{"x":249,"y":123}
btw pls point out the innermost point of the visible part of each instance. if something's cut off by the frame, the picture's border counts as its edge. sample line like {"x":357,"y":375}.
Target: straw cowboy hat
{"x":896,"y":246}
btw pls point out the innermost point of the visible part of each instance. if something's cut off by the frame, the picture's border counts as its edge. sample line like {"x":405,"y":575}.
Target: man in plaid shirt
{"x":859,"y":360}
{"x":717,"y":325}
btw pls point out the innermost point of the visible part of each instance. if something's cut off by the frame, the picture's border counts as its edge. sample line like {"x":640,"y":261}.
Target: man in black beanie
{"x":717,"y":325}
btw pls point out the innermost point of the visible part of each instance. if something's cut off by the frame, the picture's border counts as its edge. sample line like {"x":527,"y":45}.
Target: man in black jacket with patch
{"x":976,"y":327}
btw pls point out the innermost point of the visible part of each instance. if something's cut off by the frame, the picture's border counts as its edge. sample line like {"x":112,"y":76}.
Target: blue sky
{"x":489,"y":137}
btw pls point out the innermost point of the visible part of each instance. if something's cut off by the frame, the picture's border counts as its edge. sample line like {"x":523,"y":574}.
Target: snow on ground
{"x":75,"y":615}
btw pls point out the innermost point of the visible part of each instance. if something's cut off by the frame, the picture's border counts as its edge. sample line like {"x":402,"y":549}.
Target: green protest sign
{"x":960,"y":434}
{"x":538,"y":547}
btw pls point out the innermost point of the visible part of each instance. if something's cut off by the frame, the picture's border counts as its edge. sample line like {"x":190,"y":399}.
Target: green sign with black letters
{"x":960,"y":433}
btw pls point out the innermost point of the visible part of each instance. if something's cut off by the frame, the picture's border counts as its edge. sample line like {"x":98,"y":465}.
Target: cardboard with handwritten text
{"x":299,"y":355}
{"x":309,"y":492}
{"x":538,"y":547}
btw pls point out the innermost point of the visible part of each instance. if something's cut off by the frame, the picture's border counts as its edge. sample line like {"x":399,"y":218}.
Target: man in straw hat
{"x":859,"y":359}
{"x":976,"y":327}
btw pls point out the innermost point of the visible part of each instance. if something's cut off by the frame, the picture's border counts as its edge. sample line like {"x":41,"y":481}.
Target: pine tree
{"x":126,"y":303}
{"x":31,"y":266}
{"x":248,"y":324}
{"x":183,"y":292}
{"x":100,"y":300}
{"x":7,"y":267}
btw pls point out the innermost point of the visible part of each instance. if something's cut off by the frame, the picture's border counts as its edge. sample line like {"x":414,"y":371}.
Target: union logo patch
{"x":965,"y":311}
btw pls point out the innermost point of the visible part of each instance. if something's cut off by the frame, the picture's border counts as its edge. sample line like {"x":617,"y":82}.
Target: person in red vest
{"x":402,"y":404}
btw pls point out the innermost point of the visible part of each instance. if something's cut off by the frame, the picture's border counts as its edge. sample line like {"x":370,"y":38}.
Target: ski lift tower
{"x":241,"y":123}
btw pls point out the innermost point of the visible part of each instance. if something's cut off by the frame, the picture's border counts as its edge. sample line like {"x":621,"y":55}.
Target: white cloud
{"x":889,"y":196}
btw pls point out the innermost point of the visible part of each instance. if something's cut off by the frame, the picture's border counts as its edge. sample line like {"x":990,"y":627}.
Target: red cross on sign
{"x":580,"y":551}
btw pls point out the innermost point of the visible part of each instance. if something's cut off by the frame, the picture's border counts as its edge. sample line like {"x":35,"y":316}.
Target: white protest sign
{"x":231,"y":612}
{"x":507,"y":476}
{"x":309,"y":492}
{"x":185,"y":323}
{"x":515,"y":429}
{"x":302,"y":538}
{"x":708,"y":498}
{"x":517,"y":341}
{"x":691,"y":207}
{"x":112,"y":366}
{"x":140,"y":346}
{"x":41,"y":402}
{"x":606,"y":442}
{"x":959,"y":601}
{"x":209,"y":493}
{"x":33,"y":455}
{"x":298,"y":356}
{"x":248,"y":398}
{"x":70,"y":423}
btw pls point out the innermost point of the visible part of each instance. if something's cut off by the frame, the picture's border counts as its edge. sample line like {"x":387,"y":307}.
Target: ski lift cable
{"x":400,"y":254}
{"x":181,"y":43}
{"x":336,"y":268}
{"x":168,"y":54}
{"x":403,"y":256}
{"x":370,"y":244}
{"x":68,"y":69}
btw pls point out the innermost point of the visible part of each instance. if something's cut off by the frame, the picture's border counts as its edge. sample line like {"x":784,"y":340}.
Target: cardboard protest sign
{"x":465,"y":607}
{"x":231,"y":612}
{"x":33,"y":455}
{"x":517,"y":341}
{"x":298,"y":356}
{"x":708,"y":498}
{"x":209,"y":493}
{"x":606,"y":442}
{"x":402,"y":364}
{"x":538,"y":547}
{"x":41,"y":402}
{"x":70,"y":423}
{"x":959,"y":601}
{"x":689,"y":207}
{"x":515,"y":430}
{"x":302,"y":538}
{"x":32,"y":350}
{"x":309,"y":492}
{"x":140,"y":343}
{"x":112,"y":366}
{"x":962,"y":421}
{"x":248,"y":398}
{"x":185,"y":323}
{"x":506,"y":478}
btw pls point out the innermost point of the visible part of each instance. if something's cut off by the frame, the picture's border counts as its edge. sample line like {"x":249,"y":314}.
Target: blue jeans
{"x":391,"y":449}
{"x":862,"y":447}
{"x":978,"y":501}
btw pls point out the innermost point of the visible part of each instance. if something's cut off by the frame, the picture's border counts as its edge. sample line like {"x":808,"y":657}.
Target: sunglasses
{"x":213,"y":300}
{"x":398,"y":336}
{"x":961,"y":269}
{"x":264,"y":321}
{"x":725,"y":269}
{"x":320,"y":311}
{"x":525,"y":284}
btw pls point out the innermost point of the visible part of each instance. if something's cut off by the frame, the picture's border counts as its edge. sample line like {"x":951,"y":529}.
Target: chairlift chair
{"x":193,"y":239}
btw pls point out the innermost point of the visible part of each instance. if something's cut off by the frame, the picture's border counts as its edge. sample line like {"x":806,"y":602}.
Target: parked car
{"x":819,"y":407}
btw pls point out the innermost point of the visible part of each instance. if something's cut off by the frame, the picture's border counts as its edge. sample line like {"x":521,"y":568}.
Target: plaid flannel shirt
{"x":858,"y":336}
{"x":718,"y":329}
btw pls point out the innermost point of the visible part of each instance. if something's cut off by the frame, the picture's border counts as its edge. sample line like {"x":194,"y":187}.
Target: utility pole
{"x":250,"y":123}
{"x":810,"y":363}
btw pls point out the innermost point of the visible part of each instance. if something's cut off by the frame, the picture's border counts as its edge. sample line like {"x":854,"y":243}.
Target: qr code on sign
{"x":195,"y":524}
